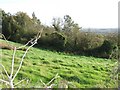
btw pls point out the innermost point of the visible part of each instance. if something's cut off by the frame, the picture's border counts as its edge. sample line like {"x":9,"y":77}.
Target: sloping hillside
{"x":75,"y":71}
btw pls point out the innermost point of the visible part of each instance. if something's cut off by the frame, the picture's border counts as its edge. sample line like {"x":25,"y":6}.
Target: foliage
{"x":57,"y":40}
{"x":89,"y":41}
{"x":19,"y":27}
{"x":64,"y":35}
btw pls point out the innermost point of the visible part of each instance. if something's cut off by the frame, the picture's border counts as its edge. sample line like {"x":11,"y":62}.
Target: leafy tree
{"x":6,"y":24}
{"x":20,"y":27}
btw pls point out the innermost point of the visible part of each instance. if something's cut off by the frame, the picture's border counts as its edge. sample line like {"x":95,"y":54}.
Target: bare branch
{"x":10,"y":79}
{"x":1,"y":80}
{"x":36,"y":38}
{"x":3,"y":37}
{"x":12,"y":69}
{"x":19,"y":82}
{"x":33,"y":42}
{"x":39,"y":34}
{"x":22,"y":60}
{"x":53,"y":79}
{"x":5,"y":70}
{"x":51,"y":86}
{"x":25,"y":44}
{"x":43,"y":83}
{"x":2,"y":74}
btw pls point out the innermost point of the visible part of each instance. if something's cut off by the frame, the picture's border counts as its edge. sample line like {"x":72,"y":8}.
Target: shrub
{"x":89,"y":41}
{"x":57,"y":41}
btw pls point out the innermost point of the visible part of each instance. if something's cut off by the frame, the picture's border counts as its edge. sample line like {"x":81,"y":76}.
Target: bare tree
{"x":10,"y":78}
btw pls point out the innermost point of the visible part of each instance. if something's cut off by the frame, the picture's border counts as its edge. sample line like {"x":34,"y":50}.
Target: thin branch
{"x":51,"y":86}
{"x":53,"y":79}
{"x":1,"y":80}
{"x":5,"y":39}
{"x":25,"y":44}
{"x":2,"y":74}
{"x":33,"y":42}
{"x":27,"y":81}
{"x":22,"y":60}
{"x":5,"y":70}
{"x":46,"y":85}
{"x":12,"y":69}
{"x":36,"y":38}
{"x":39,"y":34}
{"x":19,"y":82}
{"x":43,"y":83}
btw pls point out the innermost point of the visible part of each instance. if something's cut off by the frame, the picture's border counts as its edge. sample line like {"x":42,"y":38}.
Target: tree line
{"x":63,"y":35}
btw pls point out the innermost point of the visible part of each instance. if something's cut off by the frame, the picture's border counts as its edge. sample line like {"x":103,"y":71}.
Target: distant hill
{"x":100,"y":30}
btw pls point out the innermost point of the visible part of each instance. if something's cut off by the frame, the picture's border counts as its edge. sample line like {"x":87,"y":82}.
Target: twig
{"x":2,"y":74}
{"x":5,"y":70}
{"x":12,"y":77}
{"x":36,"y":38}
{"x":5,"y":39}
{"x":51,"y":85}
{"x":33,"y":42}
{"x":19,"y":82}
{"x":4,"y":81}
{"x":43,"y":83}
{"x":27,"y":81}
{"x":13,"y":62}
{"x":53,"y":79}
{"x":22,"y":60}
{"x":47,"y":85}
{"x":25,"y":44}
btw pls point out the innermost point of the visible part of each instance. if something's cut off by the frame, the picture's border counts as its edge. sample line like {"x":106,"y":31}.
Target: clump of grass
{"x":57,"y":61}
{"x":45,"y":62}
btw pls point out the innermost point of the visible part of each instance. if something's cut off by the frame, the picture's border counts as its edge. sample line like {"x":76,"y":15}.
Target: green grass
{"x":81,"y":71}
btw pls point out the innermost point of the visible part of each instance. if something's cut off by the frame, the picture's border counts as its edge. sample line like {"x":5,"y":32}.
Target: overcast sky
{"x":87,"y":13}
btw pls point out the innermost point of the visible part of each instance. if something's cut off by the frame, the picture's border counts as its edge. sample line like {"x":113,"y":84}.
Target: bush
{"x":89,"y":41}
{"x":57,"y":41}
{"x":104,"y":51}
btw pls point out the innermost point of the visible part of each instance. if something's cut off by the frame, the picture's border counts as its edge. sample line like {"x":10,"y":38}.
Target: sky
{"x":87,"y":13}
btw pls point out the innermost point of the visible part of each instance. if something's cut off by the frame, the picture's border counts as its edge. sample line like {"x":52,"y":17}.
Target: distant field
{"x":76,"y":71}
{"x":101,"y":30}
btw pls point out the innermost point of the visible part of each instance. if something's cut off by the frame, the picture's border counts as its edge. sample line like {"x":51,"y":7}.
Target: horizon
{"x":88,"y":14}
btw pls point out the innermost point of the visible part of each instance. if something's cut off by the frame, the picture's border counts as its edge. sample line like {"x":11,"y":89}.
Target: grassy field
{"x":73,"y":70}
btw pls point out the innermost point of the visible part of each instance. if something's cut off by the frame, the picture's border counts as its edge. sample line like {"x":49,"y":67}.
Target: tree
{"x":68,"y":23}
{"x":20,"y":27}
{"x":35,"y":20}
{"x":6,"y":24}
{"x":57,"y":24}
{"x":71,"y":30}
